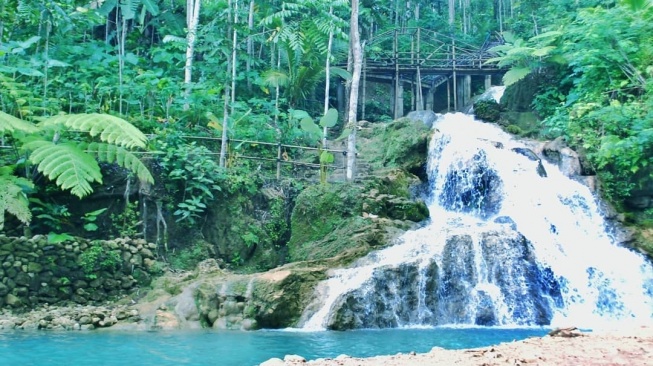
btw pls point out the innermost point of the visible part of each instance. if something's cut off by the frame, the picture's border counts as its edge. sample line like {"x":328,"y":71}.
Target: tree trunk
{"x":327,"y":81}
{"x":357,"y":53}
{"x":250,"y":43}
{"x":452,"y":12}
{"x":192,"y":18}
{"x":234,"y":49}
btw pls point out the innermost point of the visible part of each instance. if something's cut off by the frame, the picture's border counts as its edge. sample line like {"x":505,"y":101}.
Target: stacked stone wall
{"x":34,"y":271}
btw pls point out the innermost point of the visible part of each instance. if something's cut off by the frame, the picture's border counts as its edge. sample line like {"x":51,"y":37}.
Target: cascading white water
{"x":509,"y":243}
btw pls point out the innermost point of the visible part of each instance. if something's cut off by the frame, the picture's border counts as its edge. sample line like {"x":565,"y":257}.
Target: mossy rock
{"x":524,"y":124}
{"x":279,"y":297}
{"x":401,"y":144}
{"x":320,"y":211}
{"x":519,"y":96}
{"x":487,"y":110}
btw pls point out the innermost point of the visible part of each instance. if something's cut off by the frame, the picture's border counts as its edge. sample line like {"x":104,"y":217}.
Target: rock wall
{"x":34,"y":271}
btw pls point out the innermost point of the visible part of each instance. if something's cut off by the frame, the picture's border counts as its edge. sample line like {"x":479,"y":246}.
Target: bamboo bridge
{"x":424,"y":60}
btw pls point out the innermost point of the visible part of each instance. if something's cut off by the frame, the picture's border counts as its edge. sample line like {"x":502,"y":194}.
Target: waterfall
{"x":511,"y":241}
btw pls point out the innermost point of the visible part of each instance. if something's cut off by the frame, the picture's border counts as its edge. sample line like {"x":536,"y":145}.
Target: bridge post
{"x":430,"y":100}
{"x":455,"y":89}
{"x":488,"y":82}
{"x":398,"y":99}
{"x":467,"y":89}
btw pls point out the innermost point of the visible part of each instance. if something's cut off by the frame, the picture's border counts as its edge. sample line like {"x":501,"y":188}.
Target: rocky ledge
{"x":77,"y":317}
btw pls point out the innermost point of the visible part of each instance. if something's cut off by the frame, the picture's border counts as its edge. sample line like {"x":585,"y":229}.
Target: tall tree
{"x":357,"y":53}
{"x":192,"y":19}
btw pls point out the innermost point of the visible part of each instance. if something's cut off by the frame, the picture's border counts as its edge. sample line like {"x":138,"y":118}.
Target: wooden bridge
{"x":424,"y":60}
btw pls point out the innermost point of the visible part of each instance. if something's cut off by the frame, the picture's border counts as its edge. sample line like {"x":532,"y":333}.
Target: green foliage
{"x":66,"y":164}
{"x":90,"y":218}
{"x":316,"y":133}
{"x":13,"y":196}
{"x":51,"y":216}
{"x":110,"y":129}
{"x":98,"y":258}
{"x":250,"y":239}
{"x":524,"y":57}
{"x":108,"y":153}
{"x":276,"y":226}
{"x":193,"y":178}
{"x":188,"y":258}
{"x":515,"y":130}
{"x":10,"y":124}
{"x":54,"y":238}
{"x":604,"y":109}
{"x":125,"y":224}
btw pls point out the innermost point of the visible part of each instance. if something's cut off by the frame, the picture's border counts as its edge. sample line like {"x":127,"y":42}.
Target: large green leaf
{"x":126,"y":159}
{"x":339,"y":71}
{"x":330,"y":118}
{"x":69,"y":166}
{"x":9,"y":123}
{"x":151,"y":6}
{"x":515,"y":74}
{"x":544,"y":51}
{"x":309,"y":126}
{"x":274,"y":78}
{"x":111,"y":129}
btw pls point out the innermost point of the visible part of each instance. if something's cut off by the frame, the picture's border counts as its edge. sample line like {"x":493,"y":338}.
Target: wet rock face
{"x":532,"y":156}
{"x":490,"y":280}
{"x":526,"y":287}
{"x":394,"y":296}
{"x":458,"y":276}
{"x":273,"y":299}
{"x":473,"y":189}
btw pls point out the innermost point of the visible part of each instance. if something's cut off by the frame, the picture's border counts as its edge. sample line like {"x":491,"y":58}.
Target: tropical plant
{"x":525,"y":57}
{"x":13,"y":196}
{"x":318,"y":132}
{"x":59,"y":151}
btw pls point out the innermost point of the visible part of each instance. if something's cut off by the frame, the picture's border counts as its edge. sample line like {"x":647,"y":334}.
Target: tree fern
{"x":9,"y":124}
{"x":67,"y":165}
{"x":13,"y":198}
{"x":111,"y":129}
{"x":126,"y":159}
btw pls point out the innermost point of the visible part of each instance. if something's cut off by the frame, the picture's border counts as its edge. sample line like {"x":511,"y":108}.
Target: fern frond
{"x":13,"y":198}
{"x":71,"y":167}
{"x":116,"y":154}
{"x":129,"y":8}
{"x":9,"y":123}
{"x":111,"y":129}
{"x":515,"y":74}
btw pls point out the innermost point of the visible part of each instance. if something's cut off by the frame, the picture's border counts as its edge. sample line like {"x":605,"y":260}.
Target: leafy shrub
{"x":188,"y":258}
{"x":99,"y":258}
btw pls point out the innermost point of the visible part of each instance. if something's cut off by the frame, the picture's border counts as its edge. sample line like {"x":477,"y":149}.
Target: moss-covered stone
{"x":401,"y":144}
{"x":487,"y":110}
{"x":320,"y":212}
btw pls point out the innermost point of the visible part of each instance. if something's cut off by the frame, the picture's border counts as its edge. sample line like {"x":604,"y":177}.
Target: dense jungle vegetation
{"x":89,"y":85}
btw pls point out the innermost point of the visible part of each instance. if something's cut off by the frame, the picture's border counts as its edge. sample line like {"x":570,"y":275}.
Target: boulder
{"x":531,"y":156}
{"x":557,"y":152}
{"x":426,"y":117}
